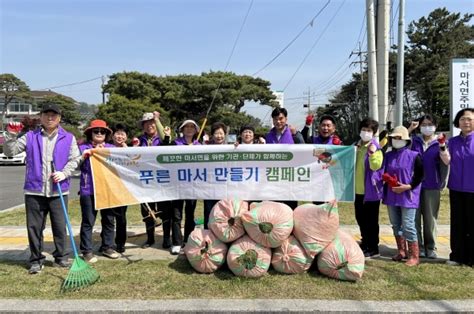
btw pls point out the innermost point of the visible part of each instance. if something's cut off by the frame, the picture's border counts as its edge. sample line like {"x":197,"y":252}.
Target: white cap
{"x":189,"y":122}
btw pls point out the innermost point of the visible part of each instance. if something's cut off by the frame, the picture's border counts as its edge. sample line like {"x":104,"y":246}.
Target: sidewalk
{"x":14,"y":243}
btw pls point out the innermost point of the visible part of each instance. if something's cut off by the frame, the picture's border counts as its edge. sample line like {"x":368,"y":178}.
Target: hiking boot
{"x":90,"y":258}
{"x":110,"y":253}
{"x":62,"y":263}
{"x":175,"y":249}
{"x":35,"y":269}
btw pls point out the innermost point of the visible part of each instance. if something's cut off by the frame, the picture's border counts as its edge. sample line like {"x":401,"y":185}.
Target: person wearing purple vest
{"x":96,"y":136}
{"x":283,"y":133}
{"x":326,"y":132}
{"x":426,"y":144}
{"x":190,"y":130}
{"x":402,"y":195}
{"x":51,"y":157}
{"x":368,"y":187}
{"x":153,"y":133}
{"x":460,"y":158}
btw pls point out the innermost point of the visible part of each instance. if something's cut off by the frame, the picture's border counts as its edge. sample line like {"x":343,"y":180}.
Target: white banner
{"x":125,"y":176}
{"x":462,"y":94}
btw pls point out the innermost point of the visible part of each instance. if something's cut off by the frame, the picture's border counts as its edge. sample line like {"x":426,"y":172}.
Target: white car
{"x":15,"y":160}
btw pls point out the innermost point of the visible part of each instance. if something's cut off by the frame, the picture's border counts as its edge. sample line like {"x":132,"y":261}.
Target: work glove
{"x":392,"y":181}
{"x":309,"y":120}
{"x":87,"y":153}
{"x":336,"y":140}
{"x":58,"y":176}
{"x":135,"y":141}
{"x":442,"y":139}
{"x":14,"y":127}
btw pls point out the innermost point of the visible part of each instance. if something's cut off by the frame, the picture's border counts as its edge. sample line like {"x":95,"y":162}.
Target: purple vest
{"x":431,"y":163}
{"x":461,"y":173}
{"x":401,"y":162}
{"x":182,"y":141}
{"x":373,"y":179}
{"x":322,"y":140}
{"x":144,"y":140}
{"x":86,"y":186}
{"x":34,"y":161}
{"x":286,"y":137}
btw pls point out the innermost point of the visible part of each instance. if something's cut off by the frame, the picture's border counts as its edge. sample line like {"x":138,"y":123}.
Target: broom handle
{"x":66,"y":216}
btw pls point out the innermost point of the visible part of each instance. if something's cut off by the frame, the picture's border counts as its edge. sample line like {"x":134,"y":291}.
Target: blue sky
{"x":49,"y":43}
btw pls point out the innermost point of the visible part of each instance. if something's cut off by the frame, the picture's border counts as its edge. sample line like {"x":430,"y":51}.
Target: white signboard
{"x":462,"y":91}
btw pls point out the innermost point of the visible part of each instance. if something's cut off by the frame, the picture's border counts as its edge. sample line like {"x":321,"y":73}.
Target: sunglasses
{"x":99,"y":131}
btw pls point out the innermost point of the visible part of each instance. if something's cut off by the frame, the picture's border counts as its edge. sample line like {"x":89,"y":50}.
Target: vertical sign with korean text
{"x":462,"y":91}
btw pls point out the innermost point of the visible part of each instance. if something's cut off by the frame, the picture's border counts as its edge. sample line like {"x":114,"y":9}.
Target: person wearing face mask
{"x":403,"y":175}
{"x":426,"y":144}
{"x":460,"y":157}
{"x":368,"y":187}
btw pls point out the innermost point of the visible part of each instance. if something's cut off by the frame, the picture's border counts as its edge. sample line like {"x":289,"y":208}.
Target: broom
{"x":80,"y":274}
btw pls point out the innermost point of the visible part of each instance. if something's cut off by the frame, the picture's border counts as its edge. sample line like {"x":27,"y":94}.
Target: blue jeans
{"x":403,"y":222}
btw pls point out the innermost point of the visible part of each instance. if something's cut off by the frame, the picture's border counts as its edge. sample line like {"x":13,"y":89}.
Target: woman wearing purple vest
{"x":46,"y":145}
{"x":426,"y":144}
{"x":96,"y":136}
{"x":190,"y":130}
{"x":402,"y":194}
{"x":460,"y":157}
{"x":152,"y":134}
{"x":218,"y":137}
{"x":368,"y":187}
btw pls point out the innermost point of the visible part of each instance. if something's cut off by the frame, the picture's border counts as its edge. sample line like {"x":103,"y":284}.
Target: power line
{"x":314,"y":45}
{"x":294,"y":39}
{"x":72,"y":84}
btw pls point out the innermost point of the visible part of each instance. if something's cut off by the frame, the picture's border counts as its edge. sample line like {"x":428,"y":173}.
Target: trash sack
{"x":316,"y":226}
{"x":268,"y":223}
{"x":225,"y":220}
{"x":290,"y":257}
{"x":204,"y":251}
{"x":246,"y":258}
{"x":342,"y":259}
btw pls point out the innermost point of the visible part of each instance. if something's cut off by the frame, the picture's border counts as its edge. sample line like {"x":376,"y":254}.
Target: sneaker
{"x":175,"y":249}
{"x":35,"y":268}
{"x":120,"y":249}
{"x":422,"y":253}
{"x":432,"y":255}
{"x":452,"y":263}
{"x":89,"y":257}
{"x":110,"y":253}
{"x":147,"y":245}
{"x":371,"y":254}
{"x":62,"y":264}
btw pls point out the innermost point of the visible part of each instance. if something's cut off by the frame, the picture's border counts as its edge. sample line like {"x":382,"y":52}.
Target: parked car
{"x":15,"y":160}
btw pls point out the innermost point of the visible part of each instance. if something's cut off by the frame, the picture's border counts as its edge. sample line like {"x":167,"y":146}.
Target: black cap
{"x":51,"y":107}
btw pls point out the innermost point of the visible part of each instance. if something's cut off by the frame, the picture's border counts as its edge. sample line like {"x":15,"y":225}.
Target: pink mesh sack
{"x":290,"y":257}
{"x":268,"y":223}
{"x":246,"y":258}
{"x":225,"y":220}
{"x":316,"y":226}
{"x":342,"y":259}
{"x":204,"y":251}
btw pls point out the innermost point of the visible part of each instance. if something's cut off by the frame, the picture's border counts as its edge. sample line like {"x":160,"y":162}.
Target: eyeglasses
{"x":99,"y":131}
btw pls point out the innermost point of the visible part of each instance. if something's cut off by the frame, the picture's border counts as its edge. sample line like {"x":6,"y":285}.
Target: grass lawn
{"x":346,"y":214}
{"x":383,"y":280}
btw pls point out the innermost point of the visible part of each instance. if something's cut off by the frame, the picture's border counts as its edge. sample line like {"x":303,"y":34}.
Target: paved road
{"x":11,"y":186}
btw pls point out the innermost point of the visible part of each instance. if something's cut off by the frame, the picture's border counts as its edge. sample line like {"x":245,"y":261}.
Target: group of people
{"x":407,"y":178}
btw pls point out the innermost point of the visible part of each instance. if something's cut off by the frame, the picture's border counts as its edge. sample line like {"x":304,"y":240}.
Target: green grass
{"x":346,"y":213}
{"x":176,"y":279}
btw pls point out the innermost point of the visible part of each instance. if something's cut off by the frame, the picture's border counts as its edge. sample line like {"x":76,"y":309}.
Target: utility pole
{"x":103,"y":92}
{"x":311,"y":130}
{"x":400,"y":64}
{"x":361,"y":69}
{"x":383,"y":45}
{"x":371,"y":59}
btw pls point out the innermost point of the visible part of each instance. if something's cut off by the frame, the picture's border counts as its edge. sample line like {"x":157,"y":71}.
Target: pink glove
{"x":442,"y":139}
{"x":336,"y":140}
{"x":135,"y":141}
{"x":14,"y":127}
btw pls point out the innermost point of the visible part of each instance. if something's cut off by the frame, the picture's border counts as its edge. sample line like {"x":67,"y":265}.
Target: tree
{"x":11,"y":88}
{"x":432,"y":43}
{"x":69,"y":110}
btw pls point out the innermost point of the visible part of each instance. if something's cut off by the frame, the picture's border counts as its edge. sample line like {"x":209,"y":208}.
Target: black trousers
{"x":120,"y":215}
{"x":462,"y":227}
{"x":189,"y":208}
{"x":367,"y":216}
{"x":37,"y":209}
{"x":164,"y":210}
{"x":208,"y":205}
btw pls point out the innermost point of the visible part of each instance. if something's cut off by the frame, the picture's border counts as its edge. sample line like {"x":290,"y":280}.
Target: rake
{"x":81,"y":274}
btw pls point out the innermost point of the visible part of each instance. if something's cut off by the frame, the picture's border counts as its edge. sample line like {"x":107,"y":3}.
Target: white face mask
{"x":399,"y":143}
{"x":428,"y":130}
{"x":366,"y":136}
